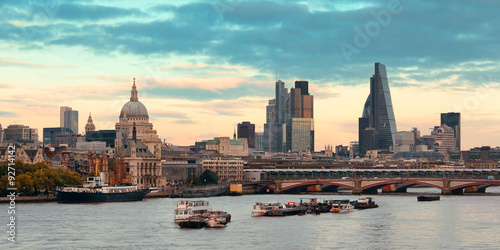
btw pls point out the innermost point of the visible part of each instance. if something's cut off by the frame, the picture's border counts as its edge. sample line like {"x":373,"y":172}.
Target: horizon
{"x":201,"y":67}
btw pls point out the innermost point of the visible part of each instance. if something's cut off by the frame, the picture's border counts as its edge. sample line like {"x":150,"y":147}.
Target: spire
{"x":133,"y":96}
{"x":234,"y":135}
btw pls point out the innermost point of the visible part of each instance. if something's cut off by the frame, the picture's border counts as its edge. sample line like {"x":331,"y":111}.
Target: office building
{"x":107,"y":136}
{"x":50,"y":134}
{"x":378,"y":113}
{"x":445,"y":140}
{"x":247,"y":130}
{"x":69,"y":119}
{"x":302,"y":113}
{"x":21,"y":133}
{"x":453,"y":120}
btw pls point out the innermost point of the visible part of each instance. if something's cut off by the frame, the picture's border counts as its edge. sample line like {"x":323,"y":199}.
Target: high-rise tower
{"x":302,"y":118}
{"x":378,"y":114}
{"x":69,"y":119}
{"x":453,"y":120}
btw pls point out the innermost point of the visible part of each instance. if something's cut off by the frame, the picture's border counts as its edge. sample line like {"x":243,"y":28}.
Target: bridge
{"x":449,"y":181}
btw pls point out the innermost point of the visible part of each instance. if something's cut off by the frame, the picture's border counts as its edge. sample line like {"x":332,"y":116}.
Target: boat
{"x":214,"y":222}
{"x":261,"y":208}
{"x":342,"y":207}
{"x":186,"y":209}
{"x":192,"y":223}
{"x":364,"y":203}
{"x":222,"y":217}
{"x":428,"y":198}
{"x":95,"y":190}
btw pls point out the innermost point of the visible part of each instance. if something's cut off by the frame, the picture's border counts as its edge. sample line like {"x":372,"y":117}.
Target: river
{"x":454,"y":222}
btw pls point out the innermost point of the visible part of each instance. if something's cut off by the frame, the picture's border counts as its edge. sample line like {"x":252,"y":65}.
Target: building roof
{"x":134,"y":108}
{"x":237,"y":142}
{"x":141,"y":151}
{"x":213,"y":142}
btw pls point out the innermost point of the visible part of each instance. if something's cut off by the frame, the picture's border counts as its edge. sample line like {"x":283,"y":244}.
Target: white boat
{"x":342,"y":208}
{"x":222,"y":217}
{"x":214,"y":222}
{"x":260,"y":208}
{"x":186,"y":209}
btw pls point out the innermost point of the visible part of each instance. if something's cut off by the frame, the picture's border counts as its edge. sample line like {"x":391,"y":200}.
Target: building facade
{"x":247,"y":130}
{"x":226,"y":146}
{"x":453,"y":120}
{"x":69,"y":119}
{"x":445,"y":140}
{"x":226,"y":169}
{"x":21,"y":133}
{"x":50,"y":134}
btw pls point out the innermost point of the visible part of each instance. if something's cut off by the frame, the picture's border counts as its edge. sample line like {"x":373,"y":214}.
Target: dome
{"x":134,"y":109}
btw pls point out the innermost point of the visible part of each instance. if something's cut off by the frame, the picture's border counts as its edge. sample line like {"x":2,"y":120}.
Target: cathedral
{"x":138,"y":146}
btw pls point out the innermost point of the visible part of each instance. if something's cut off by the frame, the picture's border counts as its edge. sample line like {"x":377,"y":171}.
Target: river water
{"x":454,"y":222}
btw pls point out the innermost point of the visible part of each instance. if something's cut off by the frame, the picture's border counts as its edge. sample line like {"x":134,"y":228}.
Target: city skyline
{"x":201,"y":68}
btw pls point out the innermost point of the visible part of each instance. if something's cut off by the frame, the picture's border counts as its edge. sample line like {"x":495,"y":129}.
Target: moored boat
{"x":95,"y":190}
{"x":222,"y":217}
{"x":192,"y":223}
{"x":214,"y":222}
{"x":364,"y":203}
{"x":428,"y":198}
{"x":261,"y":208}
{"x":342,"y":208}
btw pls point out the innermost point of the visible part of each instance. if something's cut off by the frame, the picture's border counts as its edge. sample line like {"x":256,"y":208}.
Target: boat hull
{"x":192,"y":223}
{"x":428,"y":198}
{"x":79,"y":197}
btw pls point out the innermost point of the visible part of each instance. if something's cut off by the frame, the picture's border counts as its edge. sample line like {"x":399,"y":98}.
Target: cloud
{"x":7,"y":114}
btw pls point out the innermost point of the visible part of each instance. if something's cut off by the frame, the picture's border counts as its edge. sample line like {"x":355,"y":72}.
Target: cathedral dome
{"x":134,"y":108}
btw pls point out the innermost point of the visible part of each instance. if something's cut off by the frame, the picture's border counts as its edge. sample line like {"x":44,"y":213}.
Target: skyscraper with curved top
{"x":377,"y":126}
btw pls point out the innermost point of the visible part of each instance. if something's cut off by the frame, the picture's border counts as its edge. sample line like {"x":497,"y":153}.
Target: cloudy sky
{"x":204,"y":66}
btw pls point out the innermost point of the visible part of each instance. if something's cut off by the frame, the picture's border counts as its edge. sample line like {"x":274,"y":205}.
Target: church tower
{"x":90,"y":124}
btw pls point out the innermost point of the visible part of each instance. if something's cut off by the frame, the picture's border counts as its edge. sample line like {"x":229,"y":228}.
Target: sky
{"x":201,"y":67}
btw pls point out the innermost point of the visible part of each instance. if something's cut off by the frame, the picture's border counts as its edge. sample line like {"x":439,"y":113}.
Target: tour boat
{"x":95,"y":190}
{"x":186,"y":209}
{"x":261,"y":208}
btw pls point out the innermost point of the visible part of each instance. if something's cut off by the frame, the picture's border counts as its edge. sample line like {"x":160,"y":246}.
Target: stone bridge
{"x":370,"y":185}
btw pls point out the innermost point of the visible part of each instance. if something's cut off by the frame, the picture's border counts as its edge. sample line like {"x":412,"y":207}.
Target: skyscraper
{"x":69,"y":119}
{"x":277,"y":115}
{"x":302,"y":117}
{"x":378,"y":113}
{"x":453,"y":120}
{"x":247,"y":130}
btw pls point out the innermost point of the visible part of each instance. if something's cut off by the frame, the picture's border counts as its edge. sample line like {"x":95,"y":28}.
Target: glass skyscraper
{"x":378,"y":113}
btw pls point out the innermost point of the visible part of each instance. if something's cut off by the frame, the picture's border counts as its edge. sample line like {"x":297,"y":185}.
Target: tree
{"x":209,"y":177}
